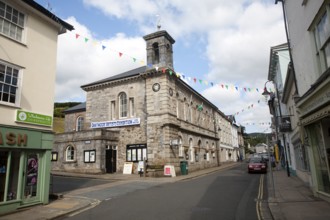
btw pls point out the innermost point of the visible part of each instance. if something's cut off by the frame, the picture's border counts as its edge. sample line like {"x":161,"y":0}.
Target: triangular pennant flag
{"x":171,"y":72}
{"x":257,"y":89}
{"x":236,"y":88}
{"x":164,"y":70}
{"x":134,"y":59}
{"x":149,"y":65}
{"x":226,"y":86}
{"x":86,"y":39}
{"x":120,"y":54}
{"x":211,"y":83}
{"x":103,"y":47}
{"x":249,"y":89}
{"x":157,"y":68}
{"x":195,"y":80}
{"x":200,"y":81}
{"x":245,"y":89}
{"x":77,"y":35}
{"x":200,"y":107}
{"x":183,"y":76}
{"x":222,"y":85}
{"x":178,"y":75}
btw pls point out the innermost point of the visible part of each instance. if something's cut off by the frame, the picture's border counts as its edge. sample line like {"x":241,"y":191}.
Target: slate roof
{"x":44,"y":11}
{"x":77,"y":108}
{"x":130,"y":73}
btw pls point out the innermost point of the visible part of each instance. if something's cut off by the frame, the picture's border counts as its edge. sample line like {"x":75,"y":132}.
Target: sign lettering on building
{"x":116,"y":123}
{"x":33,"y":118}
{"x":13,"y":139}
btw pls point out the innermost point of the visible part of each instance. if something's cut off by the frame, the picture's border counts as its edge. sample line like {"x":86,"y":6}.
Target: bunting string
{"x":224,"y":86}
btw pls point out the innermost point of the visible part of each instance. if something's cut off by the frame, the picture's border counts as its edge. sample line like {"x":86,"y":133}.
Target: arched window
{"x":207,"y":151}
{"x":80,"y":123}
{"x":122,"y":105}
{"x":69,"y":153}
{"x":156,"y":53}
{"x":191,"y":148}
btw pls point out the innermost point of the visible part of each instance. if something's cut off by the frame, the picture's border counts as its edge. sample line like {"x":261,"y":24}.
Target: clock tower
{"x":159,"y":49}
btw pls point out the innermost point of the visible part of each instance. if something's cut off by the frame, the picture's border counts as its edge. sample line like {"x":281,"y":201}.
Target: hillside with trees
{"x":58,"y":122}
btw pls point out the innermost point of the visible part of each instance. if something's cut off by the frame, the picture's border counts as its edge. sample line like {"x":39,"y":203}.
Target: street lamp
{"x":266,"y":93}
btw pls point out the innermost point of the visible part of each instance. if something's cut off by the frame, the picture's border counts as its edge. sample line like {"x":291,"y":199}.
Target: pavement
{"x":290,"y":199}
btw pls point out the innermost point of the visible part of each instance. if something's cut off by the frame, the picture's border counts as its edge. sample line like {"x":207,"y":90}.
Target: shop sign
{"x":13,"y":139}
{"x":285,"y":125}
{"x":116,"y":123}
{"x":33,"y":118}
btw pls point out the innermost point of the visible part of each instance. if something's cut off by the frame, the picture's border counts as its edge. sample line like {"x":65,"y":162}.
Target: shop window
{"x":3,"y":172}
{"x":122,"y":105}
{"x":9,"y":84}
{"x":80,"y":123}
{"x":9,"y":174}
{"x":70,"y":153}
{"x":11,"y":22}
{"x":136,"y":152}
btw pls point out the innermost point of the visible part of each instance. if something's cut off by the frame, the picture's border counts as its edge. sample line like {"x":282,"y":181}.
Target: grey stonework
{"x":81,"y":141}
{"x":171,"y":125}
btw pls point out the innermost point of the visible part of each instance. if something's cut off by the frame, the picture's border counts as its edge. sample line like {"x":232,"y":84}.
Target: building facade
{"x":27,"y":84}
{"x":146,"y":113}
{"x":308,"y":28}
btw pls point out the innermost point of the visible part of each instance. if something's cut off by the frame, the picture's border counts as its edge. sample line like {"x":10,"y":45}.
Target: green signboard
{"x":33,"y":118}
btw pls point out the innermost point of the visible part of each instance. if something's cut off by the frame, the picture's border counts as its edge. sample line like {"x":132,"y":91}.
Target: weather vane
{"x":158,"y":22}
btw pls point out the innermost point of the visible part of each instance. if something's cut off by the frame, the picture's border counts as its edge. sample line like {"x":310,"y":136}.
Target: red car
{"x":257,"y":165}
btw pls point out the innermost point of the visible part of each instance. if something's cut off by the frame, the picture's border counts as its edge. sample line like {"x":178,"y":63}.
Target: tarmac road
{"x":227,"y":194}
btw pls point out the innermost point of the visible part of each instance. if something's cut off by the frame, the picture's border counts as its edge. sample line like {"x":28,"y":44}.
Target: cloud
{"x":80,"y":62}
{"x":237,"y":34}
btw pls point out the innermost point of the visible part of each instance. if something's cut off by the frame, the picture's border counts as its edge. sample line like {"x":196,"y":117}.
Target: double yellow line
{"x":260,"y":196}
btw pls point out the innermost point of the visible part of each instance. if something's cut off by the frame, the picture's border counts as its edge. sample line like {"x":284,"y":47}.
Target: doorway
{"x":31,"y":178}
{"x":111,"y":159}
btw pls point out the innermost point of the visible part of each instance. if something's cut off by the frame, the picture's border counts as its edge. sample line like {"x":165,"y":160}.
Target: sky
{"x":223,"y":45}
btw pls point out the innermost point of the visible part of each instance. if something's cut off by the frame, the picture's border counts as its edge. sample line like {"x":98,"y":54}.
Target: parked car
{"x":257,"y":165}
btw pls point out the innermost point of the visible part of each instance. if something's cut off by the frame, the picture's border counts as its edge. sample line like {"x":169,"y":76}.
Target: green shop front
{"x":25,"y":157}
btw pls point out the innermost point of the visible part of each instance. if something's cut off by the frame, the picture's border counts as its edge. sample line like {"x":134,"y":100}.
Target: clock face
{"x":156,"y":87}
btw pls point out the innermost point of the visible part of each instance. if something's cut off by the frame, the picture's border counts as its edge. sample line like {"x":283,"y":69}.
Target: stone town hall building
{"x":146,"y":112}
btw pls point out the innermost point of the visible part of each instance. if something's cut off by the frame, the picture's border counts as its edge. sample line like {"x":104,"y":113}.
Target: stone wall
{"x":81,"y":141}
